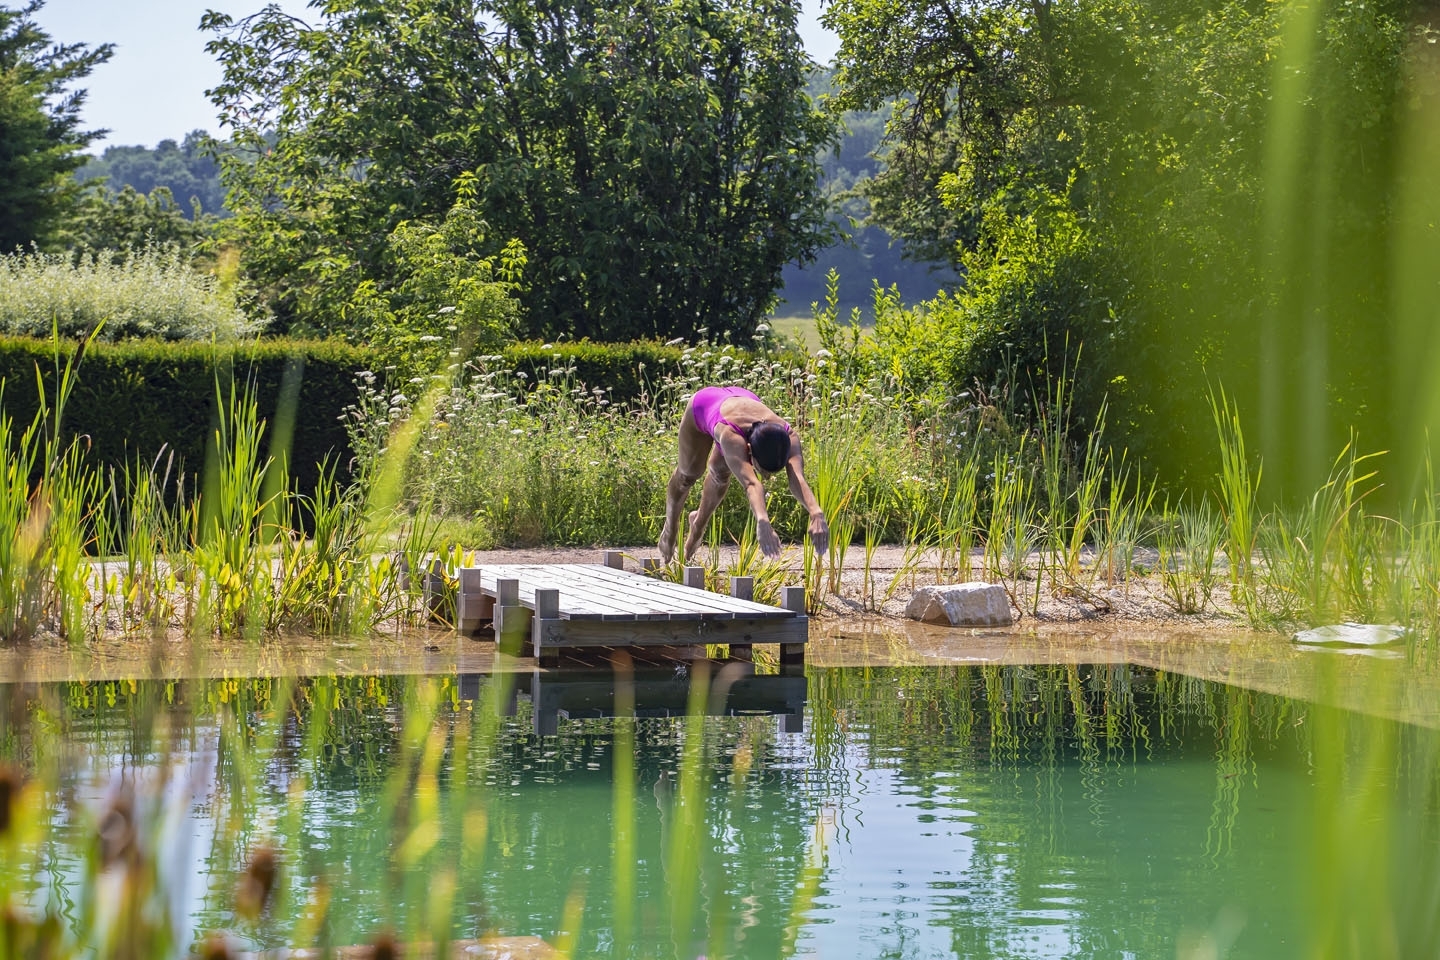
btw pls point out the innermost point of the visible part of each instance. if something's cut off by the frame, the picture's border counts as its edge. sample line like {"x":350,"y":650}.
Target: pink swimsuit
{"x":705,"y":406}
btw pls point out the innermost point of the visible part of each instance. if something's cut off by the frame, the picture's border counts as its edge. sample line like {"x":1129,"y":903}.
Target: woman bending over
{"x":728,"y":431}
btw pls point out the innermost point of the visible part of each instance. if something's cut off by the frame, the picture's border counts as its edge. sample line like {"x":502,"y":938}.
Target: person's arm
{"x":818,"y":530}
{"x":737,"y":458}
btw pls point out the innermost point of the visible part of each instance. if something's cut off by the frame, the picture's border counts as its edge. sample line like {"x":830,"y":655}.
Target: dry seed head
{"x":215,"y":947}
{"x":384,"y":947}
{"x":117,"y":827}
{"x":12,"y":781}
{"x":253,"y":893}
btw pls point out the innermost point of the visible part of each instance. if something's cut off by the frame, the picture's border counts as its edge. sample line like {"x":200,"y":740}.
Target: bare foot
{"x":692,"y":536}
{"x":667,"y":542}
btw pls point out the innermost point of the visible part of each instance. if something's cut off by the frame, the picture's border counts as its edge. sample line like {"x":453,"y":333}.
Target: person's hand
{"x":819,"y":531}
{"x":769,"y":539}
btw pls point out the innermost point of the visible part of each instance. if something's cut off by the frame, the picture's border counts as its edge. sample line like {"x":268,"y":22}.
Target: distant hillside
{"x":185,"y":168}
{"x":870,"y":254}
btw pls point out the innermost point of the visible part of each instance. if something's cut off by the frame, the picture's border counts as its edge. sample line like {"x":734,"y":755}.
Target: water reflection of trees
{"x":1036,"y":765}
{"x":321,"y":768}
{"x":1040,"y":765}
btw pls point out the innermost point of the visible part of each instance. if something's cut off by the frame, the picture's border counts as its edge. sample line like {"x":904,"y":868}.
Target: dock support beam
{"x":742,"y":588}
{"x":547,"y":615}
{"x":792,"y":655}
{"x":472,"y":606}
{"x":434,"y":589}
{"x":512,"y":621}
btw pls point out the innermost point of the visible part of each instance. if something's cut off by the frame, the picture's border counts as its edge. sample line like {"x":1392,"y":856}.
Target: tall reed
{"x":1239,"y":490}
{"x":1189,"y":540}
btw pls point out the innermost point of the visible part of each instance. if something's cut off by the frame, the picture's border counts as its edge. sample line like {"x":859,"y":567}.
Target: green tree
{"x":40,"y":135}
{"x":189,"y":170}
{"x":1193,"y":190}
{"x":443,"y":294}
{"x":130,"y":220}
{"x":656,"y":160}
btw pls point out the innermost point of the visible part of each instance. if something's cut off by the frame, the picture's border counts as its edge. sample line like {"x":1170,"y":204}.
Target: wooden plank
{"x":670,"y":596}
{"x":547,"y":617}
{"x":718,"y":600}
{"x":792,"y":655}
{"x":742,"y":588}
{"x":472,"y":606}
{"x":584,"y":596}
{"x":649,"y":599}
{"x":591,"y":592}
{"x":704,"y":598}
{"x":586,"y":604}
{"x":791,"y":633}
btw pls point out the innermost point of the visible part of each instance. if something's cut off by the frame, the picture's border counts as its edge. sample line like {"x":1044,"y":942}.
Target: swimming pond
{"x":904,"y":811}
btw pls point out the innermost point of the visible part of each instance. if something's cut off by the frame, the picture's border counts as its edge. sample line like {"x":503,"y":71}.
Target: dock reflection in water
{"x":655,"y":686}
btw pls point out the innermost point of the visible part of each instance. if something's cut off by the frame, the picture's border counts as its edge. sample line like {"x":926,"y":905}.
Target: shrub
{"x":153,"y":292}
{"x":142,"y":399}
{"x":624,"y":370}
{"x":639,"y":368}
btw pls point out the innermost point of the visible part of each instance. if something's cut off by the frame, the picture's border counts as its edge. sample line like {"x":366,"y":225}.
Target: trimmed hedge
{"x":133,"y":398}
{"x":617,"y":366}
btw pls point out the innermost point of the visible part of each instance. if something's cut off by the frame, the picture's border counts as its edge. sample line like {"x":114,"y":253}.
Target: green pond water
{"x":950,"y":811}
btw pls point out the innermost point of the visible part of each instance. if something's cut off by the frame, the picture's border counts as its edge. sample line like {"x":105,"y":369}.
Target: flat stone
{"x":962,"y":605}
{"x":1353,"y":634}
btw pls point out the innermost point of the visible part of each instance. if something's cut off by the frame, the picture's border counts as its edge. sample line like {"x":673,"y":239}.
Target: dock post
{"x":695,"y":577}
{"x":512,"y":621}
{"x":434,"y":589}
{"x":547,"y":619}
{"x":472,"y":607}
{"x":614,"y":559}
{"x":793,"y":654}
{"x":652,"y":565}
{"x":742,"y":588}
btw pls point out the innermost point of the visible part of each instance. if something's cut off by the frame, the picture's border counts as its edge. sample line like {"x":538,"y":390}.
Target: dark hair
{"x":770,"y":445}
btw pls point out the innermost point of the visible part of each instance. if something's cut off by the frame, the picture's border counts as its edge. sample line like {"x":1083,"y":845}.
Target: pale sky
{"x":154,"y":86}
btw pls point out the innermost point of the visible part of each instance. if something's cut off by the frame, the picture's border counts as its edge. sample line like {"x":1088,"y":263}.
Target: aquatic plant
{"x":237,"y":553}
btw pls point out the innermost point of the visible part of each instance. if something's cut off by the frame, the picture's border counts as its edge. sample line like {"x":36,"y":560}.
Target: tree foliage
{"x":40,"y":135}
{"x":1194,"y":190}
{"x":129,"y":221}
{"x":188,"y":169}
{"x":656,"y":160}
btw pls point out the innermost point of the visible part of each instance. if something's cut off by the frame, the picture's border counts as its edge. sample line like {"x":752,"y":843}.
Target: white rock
{"x":1354,"y":634}
{"x":962,"y":604}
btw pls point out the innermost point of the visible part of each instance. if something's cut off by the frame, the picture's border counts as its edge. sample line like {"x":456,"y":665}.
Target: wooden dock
{"x":544,"y":609}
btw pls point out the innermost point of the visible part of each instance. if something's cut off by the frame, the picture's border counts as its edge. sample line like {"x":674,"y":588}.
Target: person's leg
{"x":717,"y":481}
{"x":694,"y":450}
